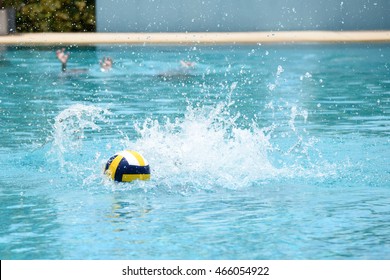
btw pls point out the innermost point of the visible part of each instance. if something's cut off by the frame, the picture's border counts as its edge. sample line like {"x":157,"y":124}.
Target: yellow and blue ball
{"x":127,"y":166}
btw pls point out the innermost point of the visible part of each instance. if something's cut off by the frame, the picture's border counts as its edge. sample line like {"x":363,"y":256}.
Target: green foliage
{"x":53,"y":15}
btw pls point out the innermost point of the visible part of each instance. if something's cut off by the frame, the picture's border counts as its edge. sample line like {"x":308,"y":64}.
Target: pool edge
{"x":284,"y":37}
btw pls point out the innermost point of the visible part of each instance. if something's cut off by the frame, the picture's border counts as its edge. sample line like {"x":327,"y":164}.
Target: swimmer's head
{"x":106,"y":64}
{"x":187,"y":64}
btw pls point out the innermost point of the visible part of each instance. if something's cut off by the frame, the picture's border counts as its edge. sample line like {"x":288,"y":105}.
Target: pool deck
{"x":280,"y":37}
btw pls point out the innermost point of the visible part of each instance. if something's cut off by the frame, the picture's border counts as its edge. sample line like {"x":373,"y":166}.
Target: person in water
{"x":187,"y":64}
{"x":182,"y":72}
{"x":106,"y":64}
{"x":63,"y":58}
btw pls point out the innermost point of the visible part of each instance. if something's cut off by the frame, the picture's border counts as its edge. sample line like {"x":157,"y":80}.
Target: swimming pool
{"x":258,"y":152}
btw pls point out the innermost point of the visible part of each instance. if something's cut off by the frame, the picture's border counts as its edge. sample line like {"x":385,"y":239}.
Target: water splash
{"x":208,"y":148}
{"x":279,"y":71}
{"x":70,"y":130}
{"x":204,"y":149}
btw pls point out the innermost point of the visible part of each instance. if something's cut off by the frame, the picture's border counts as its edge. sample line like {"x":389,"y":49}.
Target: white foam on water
{"x":69,"y":132}
{"x":207,"y":148}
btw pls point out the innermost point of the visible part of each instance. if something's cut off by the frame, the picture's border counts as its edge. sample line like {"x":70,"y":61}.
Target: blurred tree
{"x":53,"y":15}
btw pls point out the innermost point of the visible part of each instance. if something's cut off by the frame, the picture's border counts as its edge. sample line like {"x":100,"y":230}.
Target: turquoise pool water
{"x":259,"y":152}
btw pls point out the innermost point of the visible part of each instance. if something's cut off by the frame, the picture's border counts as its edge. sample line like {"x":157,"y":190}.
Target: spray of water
{"x":206,"y":149}
{"x":70,"y":132}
